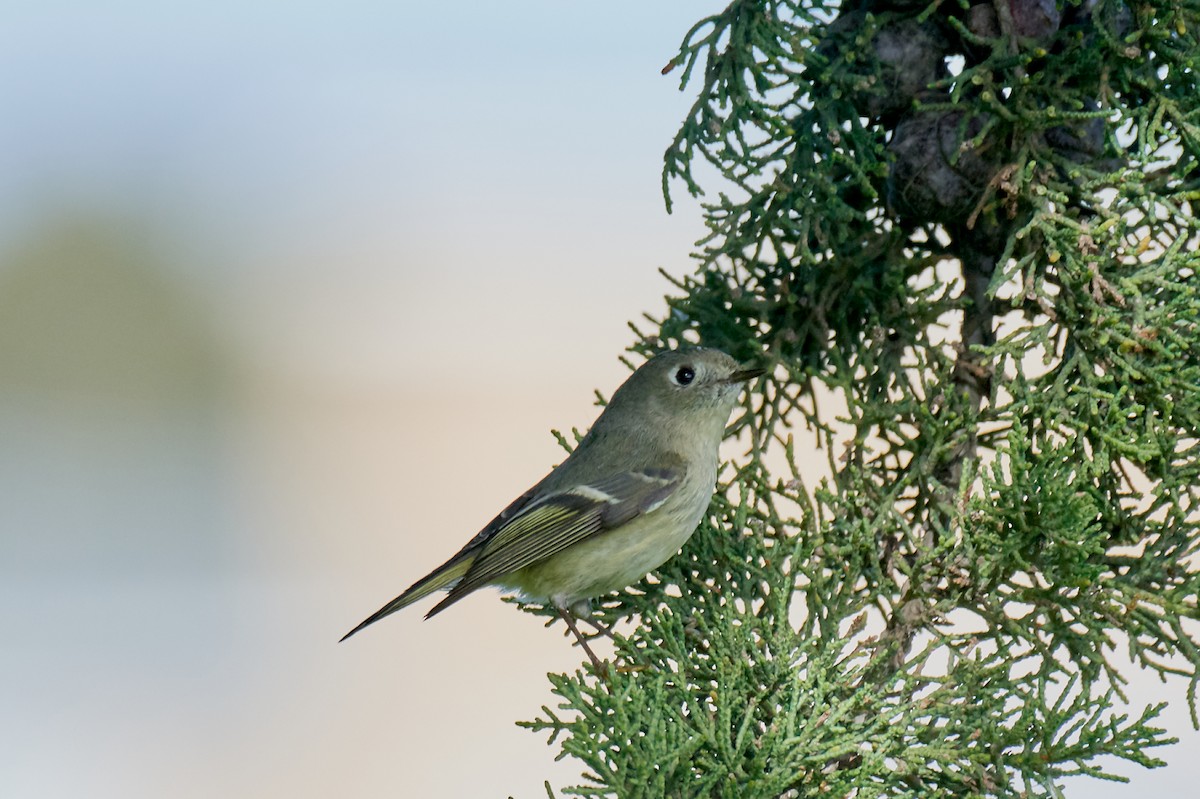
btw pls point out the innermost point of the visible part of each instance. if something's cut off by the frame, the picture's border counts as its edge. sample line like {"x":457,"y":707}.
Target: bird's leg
{"x":600,"y":628}
{"x":569,"y":617}
{"x":582,"y":611}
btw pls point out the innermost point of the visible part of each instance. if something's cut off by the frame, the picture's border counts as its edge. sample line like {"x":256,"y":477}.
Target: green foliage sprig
{"x":963,"y":238}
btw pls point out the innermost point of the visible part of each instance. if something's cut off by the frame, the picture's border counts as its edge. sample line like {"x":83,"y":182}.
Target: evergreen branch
{"x":975,"y":291}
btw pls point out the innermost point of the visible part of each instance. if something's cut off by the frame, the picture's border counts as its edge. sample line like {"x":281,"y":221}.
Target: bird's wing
{"x":561,"y":519}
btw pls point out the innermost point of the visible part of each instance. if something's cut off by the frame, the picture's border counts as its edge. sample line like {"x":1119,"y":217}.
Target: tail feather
{"x":443,"y":576}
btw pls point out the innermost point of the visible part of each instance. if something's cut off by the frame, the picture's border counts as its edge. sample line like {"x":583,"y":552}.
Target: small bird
{"x":623,"y":502}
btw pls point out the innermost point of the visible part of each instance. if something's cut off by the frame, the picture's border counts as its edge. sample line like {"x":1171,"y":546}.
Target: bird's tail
{"x":444,"y":576}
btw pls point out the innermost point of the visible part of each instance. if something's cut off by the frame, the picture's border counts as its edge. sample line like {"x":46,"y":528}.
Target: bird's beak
{"x":742,"y":375}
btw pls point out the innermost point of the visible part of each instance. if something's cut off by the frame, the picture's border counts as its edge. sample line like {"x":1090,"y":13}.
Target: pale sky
{"x":398,"y":243}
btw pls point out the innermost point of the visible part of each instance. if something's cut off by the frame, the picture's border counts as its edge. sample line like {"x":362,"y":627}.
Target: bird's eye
{"x":685,"y":375}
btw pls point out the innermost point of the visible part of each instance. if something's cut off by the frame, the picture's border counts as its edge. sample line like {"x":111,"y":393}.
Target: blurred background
{"x":290,"y":297}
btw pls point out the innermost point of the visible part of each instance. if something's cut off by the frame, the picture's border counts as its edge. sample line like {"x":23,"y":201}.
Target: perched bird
{"x":621,"y":504}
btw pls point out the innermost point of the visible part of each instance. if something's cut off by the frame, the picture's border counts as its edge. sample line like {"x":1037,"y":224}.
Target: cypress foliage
{"x":962,"y":235}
